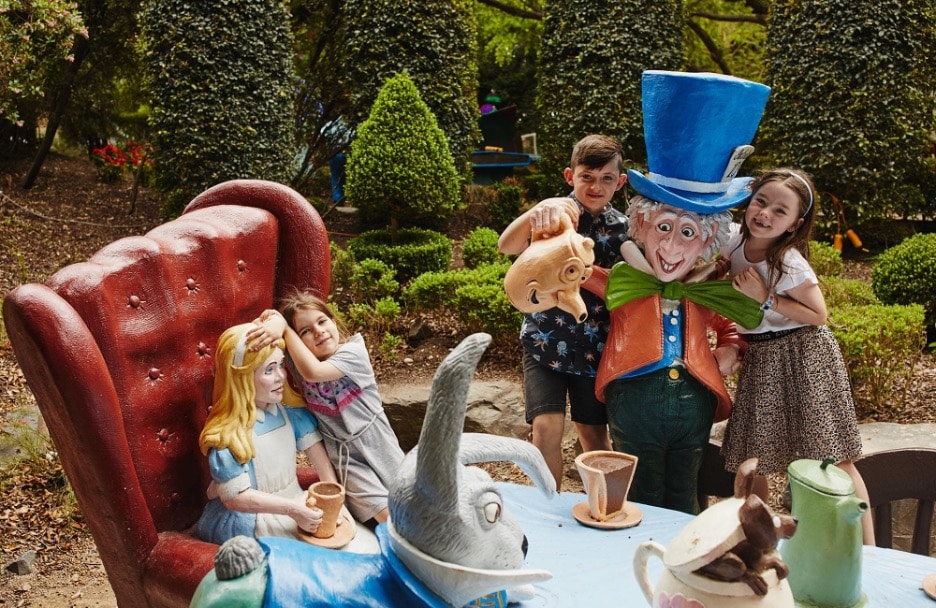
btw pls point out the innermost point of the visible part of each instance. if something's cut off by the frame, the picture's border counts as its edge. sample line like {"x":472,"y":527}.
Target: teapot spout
{"x":852,"y":508}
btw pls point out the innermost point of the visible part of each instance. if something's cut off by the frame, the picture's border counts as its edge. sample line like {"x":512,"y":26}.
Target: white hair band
{"x":808,"y":189}
{"x":239,"y":350}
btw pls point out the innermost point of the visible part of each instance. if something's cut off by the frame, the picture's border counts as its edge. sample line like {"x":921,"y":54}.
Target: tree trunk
{"x":82,"y":47}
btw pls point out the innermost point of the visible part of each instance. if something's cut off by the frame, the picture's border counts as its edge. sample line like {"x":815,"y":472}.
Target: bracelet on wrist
{"x":768,"y":303}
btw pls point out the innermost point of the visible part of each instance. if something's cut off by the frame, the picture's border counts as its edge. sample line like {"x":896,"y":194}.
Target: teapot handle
{"x":644,"y":551}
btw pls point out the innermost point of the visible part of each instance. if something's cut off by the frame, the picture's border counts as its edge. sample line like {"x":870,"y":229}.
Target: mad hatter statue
{"x":658,"y":375}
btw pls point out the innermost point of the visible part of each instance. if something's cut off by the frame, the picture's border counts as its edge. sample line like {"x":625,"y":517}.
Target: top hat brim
{"x":704,"y":203}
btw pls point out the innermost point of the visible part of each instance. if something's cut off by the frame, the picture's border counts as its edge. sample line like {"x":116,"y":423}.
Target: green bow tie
{"x":626,"y":283}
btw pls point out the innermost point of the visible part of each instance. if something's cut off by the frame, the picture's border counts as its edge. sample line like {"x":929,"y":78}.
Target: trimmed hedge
{"x":415,"y":250}
{"x":400,"y":169}
{"x":881,"y":346}
{"x":220,"y":77}
{"x":906,"y":273}
{"x":591,"y":60}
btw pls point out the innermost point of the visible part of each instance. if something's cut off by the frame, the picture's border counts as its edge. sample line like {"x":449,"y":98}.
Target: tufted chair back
{"x":118,"y":351}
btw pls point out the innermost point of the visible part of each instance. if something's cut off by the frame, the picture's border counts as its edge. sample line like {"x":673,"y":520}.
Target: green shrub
{"x":373,"y":319}
{"x":342,"y":265}
{"x":390,"y":345}
{"x":430,"y":289}
{"x":372,"y":280}
{"x":485,"y":307}
{"x":437,"y":289}
{"x":400,"y":168}
{"x":476,"y":294}
{"x":221,"y":82}
{"x":506,"y":206}
{"x":825,"y":259}
{"x":480,"y":247}
{"x":839,"y":291}
{"x":415,"y":251}
{"x":906,"y":273}
{"x":881,"y":346}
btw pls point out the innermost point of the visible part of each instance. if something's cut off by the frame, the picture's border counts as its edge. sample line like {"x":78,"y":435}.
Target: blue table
{"x":594,"y":568}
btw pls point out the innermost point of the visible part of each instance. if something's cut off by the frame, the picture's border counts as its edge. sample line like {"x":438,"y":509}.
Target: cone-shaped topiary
{"x":400,"y":167}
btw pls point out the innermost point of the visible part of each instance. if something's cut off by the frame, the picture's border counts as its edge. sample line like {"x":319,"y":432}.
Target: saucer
{"x":343,"y":535}
{"x":929,"y":586}
{"x":630,"y":517}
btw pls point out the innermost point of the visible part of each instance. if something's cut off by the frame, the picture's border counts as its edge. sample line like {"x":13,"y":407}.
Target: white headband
{"x":808,"y":189}
{"x":239,"y":350}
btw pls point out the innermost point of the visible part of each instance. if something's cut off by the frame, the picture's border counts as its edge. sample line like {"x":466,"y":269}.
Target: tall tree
{"x":221,"y":81}
{"x":854,"y":87}
{"x":592,"y":57}
{"x":435,"y":43}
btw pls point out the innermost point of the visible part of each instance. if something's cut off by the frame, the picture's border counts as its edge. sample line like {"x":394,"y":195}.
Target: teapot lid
{"x":713,"y":532}
{"x":822,"y":476}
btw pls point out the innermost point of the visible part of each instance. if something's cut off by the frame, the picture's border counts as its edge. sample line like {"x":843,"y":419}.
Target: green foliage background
{"x":849,"y":80}
{"x":220,"y":76}
{"x":435,"y":42}
{"x":589,"y":72}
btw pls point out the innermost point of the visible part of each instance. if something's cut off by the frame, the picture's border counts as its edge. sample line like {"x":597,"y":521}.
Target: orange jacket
{"x":636,"y":339}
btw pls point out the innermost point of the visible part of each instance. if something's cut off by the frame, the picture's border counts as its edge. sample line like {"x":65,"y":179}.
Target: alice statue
{"x":254,"y":429}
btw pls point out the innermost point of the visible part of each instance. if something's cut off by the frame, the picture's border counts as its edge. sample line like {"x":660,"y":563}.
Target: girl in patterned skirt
{"x":793,"y":399}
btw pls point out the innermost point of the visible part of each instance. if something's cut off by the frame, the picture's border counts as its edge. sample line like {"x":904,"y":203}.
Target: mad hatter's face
{"x":673,"y":241}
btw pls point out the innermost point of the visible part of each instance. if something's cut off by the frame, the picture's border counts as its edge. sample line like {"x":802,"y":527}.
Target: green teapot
{"x":824,"y":556}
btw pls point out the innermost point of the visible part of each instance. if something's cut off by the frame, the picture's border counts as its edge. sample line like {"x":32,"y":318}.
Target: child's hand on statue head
{"x":269,"y":328}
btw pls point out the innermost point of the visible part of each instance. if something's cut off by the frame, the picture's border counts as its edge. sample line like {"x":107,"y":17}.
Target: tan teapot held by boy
{"x":549,"y":273}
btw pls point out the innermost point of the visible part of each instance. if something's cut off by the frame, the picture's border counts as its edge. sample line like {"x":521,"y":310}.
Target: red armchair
{"x":118,"y":352}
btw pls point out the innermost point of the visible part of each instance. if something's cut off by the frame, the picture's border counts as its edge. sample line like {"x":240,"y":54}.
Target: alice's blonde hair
{"x":233,"y":407}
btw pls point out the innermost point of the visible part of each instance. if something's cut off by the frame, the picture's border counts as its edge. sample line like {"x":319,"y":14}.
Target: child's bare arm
{"x":803,"y":304}
{"x":319,"y":459}
{"x":270,"y":327}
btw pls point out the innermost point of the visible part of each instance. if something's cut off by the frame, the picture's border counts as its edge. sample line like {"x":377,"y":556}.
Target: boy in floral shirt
{"x":561,"y":356}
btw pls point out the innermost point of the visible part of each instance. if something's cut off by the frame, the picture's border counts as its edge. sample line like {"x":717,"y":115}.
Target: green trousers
{"x":664,"y":418}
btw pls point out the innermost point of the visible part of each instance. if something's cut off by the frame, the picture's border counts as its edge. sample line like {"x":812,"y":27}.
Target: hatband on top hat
{"x":698,"y":128}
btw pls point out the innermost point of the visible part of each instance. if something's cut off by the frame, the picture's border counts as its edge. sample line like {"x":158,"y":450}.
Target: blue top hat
{"x":698,"y":130}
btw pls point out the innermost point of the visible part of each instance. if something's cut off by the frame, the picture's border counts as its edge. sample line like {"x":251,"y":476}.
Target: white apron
{"x":275,"y":472}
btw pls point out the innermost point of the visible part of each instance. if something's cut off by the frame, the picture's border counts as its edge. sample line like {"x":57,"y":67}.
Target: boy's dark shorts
{"x":545,"y":391}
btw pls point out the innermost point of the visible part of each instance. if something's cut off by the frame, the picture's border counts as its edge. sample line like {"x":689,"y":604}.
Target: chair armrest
{"x":175,"y":567}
